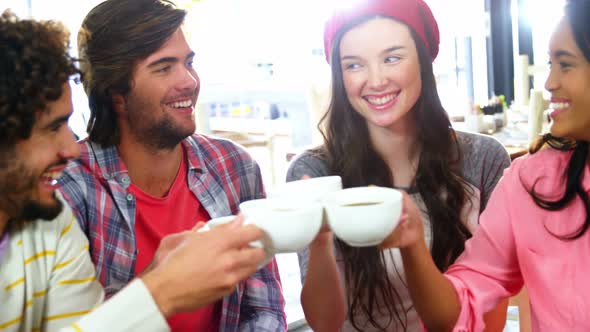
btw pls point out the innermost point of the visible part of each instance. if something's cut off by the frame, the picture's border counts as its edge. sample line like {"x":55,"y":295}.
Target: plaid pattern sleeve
{"x":220,"y":173}
{"x":95,"y":186}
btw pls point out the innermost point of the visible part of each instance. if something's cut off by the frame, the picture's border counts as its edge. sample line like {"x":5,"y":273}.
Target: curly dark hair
{"x":34,"y":65}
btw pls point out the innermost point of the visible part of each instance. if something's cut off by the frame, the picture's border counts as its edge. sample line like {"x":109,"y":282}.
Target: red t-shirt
{"x":157,"y":217}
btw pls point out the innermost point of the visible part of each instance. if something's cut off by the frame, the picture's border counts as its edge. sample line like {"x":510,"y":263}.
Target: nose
{"x":69,"y":148}
{"x":552,"y":82}
{"x":189,"y":79}
{"x":376,"y":80}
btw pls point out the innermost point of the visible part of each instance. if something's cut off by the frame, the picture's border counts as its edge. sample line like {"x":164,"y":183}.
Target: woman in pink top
{"x":534,"y":231}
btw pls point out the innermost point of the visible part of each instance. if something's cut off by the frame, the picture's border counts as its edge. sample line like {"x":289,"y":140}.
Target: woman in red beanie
{"x":385,"y":126}
{"x":534,"y":231}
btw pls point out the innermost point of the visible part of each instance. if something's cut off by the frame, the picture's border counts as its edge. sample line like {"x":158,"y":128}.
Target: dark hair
{"x":114,"y":36}
{"x":350,"y":154}
{"x":578,"y":13}
{"x":34,"y":65}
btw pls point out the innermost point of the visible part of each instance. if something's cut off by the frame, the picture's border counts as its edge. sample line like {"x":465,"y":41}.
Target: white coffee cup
{"x":312,"y":189}
{"x":290,"y":225}
{"x":224,"y":220}
{"x":216,"y":222}
{"x":363,"y":216}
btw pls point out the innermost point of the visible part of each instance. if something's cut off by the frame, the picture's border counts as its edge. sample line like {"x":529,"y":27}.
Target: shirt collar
{"x":111,"y":165}
{"x":193,"y":153}
{"x":107,"y":158}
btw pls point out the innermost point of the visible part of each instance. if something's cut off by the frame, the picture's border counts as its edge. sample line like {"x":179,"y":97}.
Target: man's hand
{"x":198,"y":268}
{"x":169,"y":243}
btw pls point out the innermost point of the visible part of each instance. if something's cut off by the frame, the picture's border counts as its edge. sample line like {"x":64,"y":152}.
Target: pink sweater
{"x":513,"y":247}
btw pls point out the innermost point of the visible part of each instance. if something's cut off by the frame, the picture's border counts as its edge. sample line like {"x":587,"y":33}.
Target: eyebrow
{"x":169,"y":59}
{"x":392,"y":49}
{"x":385,"y":51}
{"x":562,"y":53}
{"x":57,"y":121}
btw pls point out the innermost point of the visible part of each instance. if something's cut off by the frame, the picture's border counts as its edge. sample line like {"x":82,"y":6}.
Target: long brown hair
{"x":350,"y":154}
{"x":115,"y":35}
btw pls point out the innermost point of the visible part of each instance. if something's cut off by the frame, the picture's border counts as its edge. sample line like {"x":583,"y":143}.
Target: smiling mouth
{"x":559,"y":105}
{"x":379,"y":101}
{"x":50,"y":177}
{"x":181,"y":104}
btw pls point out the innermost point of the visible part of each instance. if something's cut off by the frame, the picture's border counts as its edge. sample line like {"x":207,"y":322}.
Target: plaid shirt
{"x":220,"y":174}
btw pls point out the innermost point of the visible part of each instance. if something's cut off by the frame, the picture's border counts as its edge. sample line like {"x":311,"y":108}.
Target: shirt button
{"x":129,"y":197}
{"x":125,"y":180}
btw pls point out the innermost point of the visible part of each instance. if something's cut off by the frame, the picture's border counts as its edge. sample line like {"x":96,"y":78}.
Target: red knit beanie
{"x":414,"y":13}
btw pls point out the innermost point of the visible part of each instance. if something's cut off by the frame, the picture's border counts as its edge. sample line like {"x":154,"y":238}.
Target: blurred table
{"x":254,"y":133}
{"x":514,"y":137}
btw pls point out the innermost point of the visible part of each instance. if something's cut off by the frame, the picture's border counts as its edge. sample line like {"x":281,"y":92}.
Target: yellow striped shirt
{"x":47,"y":280}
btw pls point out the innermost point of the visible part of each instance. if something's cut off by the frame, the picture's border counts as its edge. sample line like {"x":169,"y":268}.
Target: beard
{"x":17,"y":185}
{"x":162,"y":135}
{"x":157,"y":134}
{"x":33,"y":210}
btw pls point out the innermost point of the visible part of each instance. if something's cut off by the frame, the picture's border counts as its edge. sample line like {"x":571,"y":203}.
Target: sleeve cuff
{"x":468,"y":320}
{"x":132,"y":309}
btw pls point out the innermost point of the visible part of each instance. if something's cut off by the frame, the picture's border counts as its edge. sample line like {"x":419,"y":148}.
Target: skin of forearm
{"x":496,"y":319}
{"x":157,"y":286}
{"x":434,"y":297}
{"x":322,"y":296}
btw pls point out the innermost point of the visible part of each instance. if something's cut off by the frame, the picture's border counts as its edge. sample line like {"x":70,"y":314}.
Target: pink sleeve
{"x":488,"y":270}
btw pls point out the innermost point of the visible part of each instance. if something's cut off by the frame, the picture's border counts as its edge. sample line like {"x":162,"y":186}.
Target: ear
{"x":118,"y":103}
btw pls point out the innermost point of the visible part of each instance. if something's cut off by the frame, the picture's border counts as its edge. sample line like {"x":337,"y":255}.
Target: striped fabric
{"x":221,"y":174}
{"x":47,"y":280}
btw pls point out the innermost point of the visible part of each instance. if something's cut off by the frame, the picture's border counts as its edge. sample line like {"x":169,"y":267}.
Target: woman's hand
{"x":410,"y":229}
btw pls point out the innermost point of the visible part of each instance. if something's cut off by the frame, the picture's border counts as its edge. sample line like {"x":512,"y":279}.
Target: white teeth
{"x":51,"y":175}
{"x":380,"y":100}
{"x":182,"y":104}
{"x":559,"y":106}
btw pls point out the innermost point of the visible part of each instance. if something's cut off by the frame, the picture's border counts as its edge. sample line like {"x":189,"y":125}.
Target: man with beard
{"x":144,"y":173}
{"x":44,"y":264}
{"x":47,"y":280}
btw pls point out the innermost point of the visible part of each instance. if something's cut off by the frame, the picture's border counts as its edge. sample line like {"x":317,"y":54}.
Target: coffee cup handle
{"x":205,"y":228}
{"x":254,"y":244}
{"x":257,"y":243}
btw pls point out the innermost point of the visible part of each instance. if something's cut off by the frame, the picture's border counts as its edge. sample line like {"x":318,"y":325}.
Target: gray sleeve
{"x":484,"y":161}
{"x":312,"y":166}
{"x":496,"y":161}
{"x":306,"y":164}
